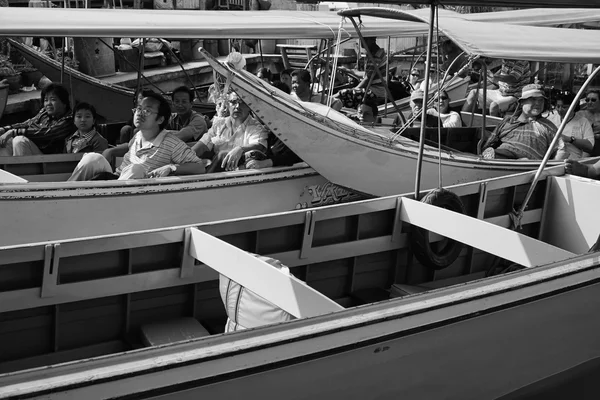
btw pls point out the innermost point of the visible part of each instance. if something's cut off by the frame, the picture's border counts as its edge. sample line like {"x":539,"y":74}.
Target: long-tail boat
{"x":368,"y":161}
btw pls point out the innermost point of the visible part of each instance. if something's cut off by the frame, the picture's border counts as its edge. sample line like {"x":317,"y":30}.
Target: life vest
{"x":245,"y":309}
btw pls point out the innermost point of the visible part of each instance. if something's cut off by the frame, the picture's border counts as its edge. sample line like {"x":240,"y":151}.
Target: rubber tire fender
{"x":419,"y":237}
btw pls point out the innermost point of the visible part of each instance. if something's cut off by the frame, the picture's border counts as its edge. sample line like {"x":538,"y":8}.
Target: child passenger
{"x":86,"y":139}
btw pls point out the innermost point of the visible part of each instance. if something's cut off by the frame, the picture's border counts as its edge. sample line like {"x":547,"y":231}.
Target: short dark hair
{"x":183,"y":89}
{"x":282,"y":86}
{"x":567,"y":98}
{"x":85,"y":106}
{"x":59,"y":91}
{"x":288,"y":71}
{"x":164,"y":109}
{"x":303,"y":74}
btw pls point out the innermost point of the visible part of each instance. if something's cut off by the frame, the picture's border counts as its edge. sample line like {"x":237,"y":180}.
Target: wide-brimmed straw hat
{"x":236,"y":59}
{"x":532,"y":90}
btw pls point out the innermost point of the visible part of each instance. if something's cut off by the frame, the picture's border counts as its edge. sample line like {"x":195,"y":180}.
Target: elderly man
{"x":301,"y":90}
{"x":153,"y":152}
{"x":512,"y":77}
{"x":525,"y":134}
{"x":450,"y":119}
{"x":46,"y":132}
{"x":185,"y":123}
{"x":416,"y":105}
{"x":231,"y":137}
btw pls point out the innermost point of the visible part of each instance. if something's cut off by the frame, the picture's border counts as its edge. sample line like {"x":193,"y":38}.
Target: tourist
{"x":153,"y":152}
{"x":185,"y":123}
{"x":129,"y":130}
{"x":264,"y":74}
{"x":450,"y":119}
{"x":416,"y":105}
{"x":86,"y":139}
{"x":577,"y":135}
{"x":413,"y":79}
{"x":301,"y":90}
{"x":592,"y":111}
{"x":230,"y":138}
{"x":379,"y":58}
{"x":367,"y":112}
{"x":46,"y":132}
{"x":286,"y":77}
{"x":511,"y":78}
{"x":525,"y":134}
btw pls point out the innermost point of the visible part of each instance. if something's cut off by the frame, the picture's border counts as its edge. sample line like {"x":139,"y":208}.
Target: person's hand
{"x":231,"y":160}
{"x":5,"y":136}
{"x":433,"y":111}
{"x":165,"y":170}
{"x":256,"y":164}
{"x":575,"y":168}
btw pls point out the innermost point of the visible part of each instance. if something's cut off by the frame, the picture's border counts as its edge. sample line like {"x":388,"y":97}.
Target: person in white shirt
{"x":577,"y":136}
{"x":450,"y":119}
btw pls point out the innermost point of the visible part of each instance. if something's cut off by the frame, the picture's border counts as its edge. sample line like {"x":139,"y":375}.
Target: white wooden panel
{"x":482,"y":235}
{"x":281,"y":289}
{"x":7,"y":177}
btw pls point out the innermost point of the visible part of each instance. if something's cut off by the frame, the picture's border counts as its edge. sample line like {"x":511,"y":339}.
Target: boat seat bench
{"x":463,"y":139}
{"x":172,"y":331}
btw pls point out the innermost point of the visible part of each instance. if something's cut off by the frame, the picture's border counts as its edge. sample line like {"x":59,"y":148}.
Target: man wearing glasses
{"x":592,"y":111}
{"x":153,"y":152}
{"x":232,"y":137}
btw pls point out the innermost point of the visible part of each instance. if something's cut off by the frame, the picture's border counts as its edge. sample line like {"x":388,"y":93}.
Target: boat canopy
{"x":276,"y":24}
{"x":489,"y":3}
{"x":501,"y":40}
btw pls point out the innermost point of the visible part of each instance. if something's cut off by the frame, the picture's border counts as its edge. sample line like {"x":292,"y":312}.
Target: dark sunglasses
{"x":592,"y":99}
{"x":414,"y":74}
{"x":444,"y":97}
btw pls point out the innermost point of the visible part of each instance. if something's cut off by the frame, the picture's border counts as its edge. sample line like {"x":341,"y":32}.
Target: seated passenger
{"x":278,"y":155}
{"x":86,"y":139}
{"x":413,"y":79}
{"x":525,"y":134}
{"x":153,"y":152}
{"x":450,"y":119}
{"x":301,"y":90}
{"x":367,"y":112}
{"x":511,"y":78}
{"x":286,"y":77}
{"x":264,"y":74}
{"x":230,"y":138}
{"x":577,"y":136}
{"x":187,"y":124}
{"x":128,"y":131}
{"x":46,"y":132}
{"x":416,"y":104}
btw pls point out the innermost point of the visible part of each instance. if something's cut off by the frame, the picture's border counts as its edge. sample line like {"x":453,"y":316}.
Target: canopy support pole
{"x":484,"y":96}
{"x":425,"y":99}
{"x":377,"y":71}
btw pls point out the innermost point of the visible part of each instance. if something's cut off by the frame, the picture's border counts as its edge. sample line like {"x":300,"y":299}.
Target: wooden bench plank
{"x":171,"y":331}
{"x":285,"y":291}
{"x":482,"y":235}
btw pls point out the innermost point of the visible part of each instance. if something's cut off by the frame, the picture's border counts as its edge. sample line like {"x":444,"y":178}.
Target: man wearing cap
{"x":416,"y":105}
{"x":512,"y":77}
{"x":525,"y":134}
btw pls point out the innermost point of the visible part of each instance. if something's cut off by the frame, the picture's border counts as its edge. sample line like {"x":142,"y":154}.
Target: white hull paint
{"x":352,"y":156}
{"x":34,"y":213}
{"x":443,"y":344}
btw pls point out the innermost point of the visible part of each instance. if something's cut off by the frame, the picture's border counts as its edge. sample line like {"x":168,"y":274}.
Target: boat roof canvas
{"x":276,"y":24}
{"x":500,"y":40}
{"x":492,"y":3}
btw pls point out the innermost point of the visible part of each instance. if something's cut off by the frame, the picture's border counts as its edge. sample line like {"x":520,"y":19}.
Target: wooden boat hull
{"x":57,"y":211}
{"x":350,"y":155}
{"x":3,"y":98}
{"x":505,"y":332}
{"x":116,"y":100}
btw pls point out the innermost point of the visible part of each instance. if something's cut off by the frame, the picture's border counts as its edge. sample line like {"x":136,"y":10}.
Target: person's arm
{"x":451,"y":120}
{"x":99,"y":144}
{"x":61,"y":128}
{"x":186,"y":160}
{"x":205,"y":144}
{"x":195,"y":129}
{"x":200,"y":149}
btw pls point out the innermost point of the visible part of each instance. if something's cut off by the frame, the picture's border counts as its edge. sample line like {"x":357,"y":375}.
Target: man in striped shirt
{"x":153,"y":152}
